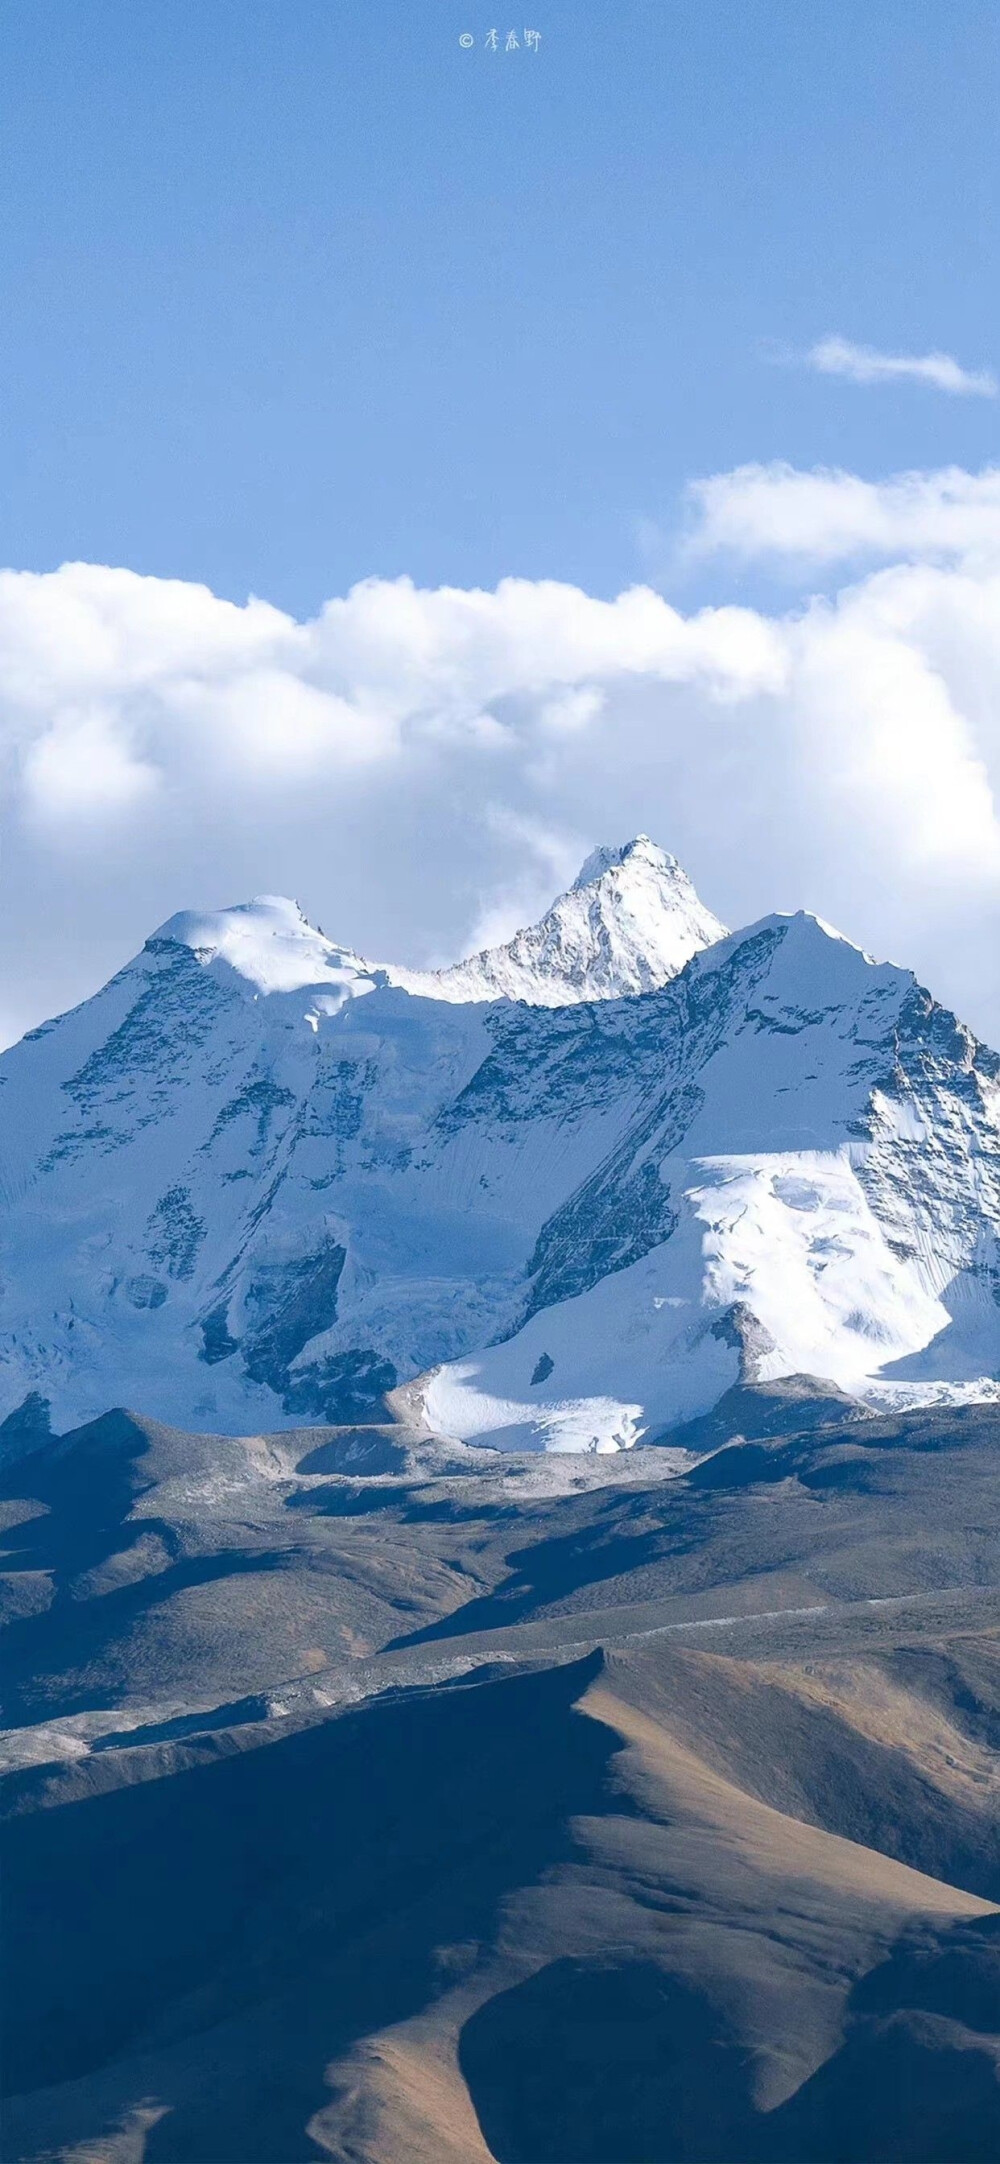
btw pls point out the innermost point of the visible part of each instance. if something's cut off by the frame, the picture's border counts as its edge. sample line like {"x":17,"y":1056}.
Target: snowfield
{"x":567,"y":1193}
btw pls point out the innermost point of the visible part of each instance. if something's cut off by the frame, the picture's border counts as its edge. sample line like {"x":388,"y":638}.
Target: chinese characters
{"x":496,"y":41}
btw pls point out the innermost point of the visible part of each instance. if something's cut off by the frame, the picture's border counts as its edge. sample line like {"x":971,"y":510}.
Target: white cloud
{"x":571,"y":710}
{"x":83,"y":768}
{"x":549,"y":861}
{"x":194,"y":687}
{"x":424,"y":769}
{"x":863,"y":364}
{"x":827,"y":516}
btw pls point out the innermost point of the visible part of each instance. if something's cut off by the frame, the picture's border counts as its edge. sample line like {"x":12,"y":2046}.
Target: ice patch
{"x":456,"y":1405}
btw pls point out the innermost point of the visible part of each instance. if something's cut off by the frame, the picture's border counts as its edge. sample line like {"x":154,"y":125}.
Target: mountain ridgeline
{"x":561,"y":1196}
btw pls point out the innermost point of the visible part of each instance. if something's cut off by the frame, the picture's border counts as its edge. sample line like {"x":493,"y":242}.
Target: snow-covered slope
{"x":629,"y":922}
{"x":270,"y":944}
{"x":253,"y":1183}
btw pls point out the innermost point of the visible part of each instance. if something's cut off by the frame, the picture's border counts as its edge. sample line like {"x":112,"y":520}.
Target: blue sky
{"x":300,"y":292}
{"x":299,"y":295}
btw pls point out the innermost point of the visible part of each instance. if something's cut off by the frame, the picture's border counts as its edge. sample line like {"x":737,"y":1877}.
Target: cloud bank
{"x":422,"y":768}
{"x":864,"y":364}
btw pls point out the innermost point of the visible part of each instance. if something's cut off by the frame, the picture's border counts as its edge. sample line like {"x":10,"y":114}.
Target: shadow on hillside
{"x":295,"y":1893}
{"x":547,"y":1570}
{"x":614,"y":2061}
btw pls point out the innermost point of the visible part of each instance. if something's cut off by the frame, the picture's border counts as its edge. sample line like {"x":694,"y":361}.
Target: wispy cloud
{"x":827,"y":516}
{"x":864,"y":364}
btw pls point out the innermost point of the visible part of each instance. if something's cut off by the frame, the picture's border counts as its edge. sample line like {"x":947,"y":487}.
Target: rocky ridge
{"x":255,"y":1181}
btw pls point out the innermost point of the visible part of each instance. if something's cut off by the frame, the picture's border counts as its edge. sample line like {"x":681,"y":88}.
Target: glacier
{"x":558,"y":1197}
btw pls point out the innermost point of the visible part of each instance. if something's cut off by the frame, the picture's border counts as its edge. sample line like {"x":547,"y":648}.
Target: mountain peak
{"x":629,"y":923}
{"x":557,"y":1234}
{"x":268,"y":942}
{"x":639,"y":851}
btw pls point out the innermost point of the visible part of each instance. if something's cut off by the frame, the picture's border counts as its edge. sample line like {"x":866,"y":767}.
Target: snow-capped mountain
{"x":629,"y":922}
{"x":254,"y":1182}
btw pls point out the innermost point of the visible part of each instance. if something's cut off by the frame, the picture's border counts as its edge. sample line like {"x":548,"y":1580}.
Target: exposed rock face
{"x":254,"y":1181}
{"x":629,"y":922}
